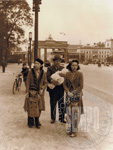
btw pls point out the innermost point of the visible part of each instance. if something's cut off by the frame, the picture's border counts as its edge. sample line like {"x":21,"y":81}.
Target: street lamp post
{"x":28,"y":55}
{"x":29,"y":58}
{"x":36,"y":9}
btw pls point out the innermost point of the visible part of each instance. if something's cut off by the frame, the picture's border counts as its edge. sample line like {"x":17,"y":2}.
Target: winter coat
{"x":32,"y":105}
{"x":40,"y":83}
{"x":75,"y":84}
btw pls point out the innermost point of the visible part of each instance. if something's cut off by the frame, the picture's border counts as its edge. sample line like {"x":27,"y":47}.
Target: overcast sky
{"x":88,"y":21}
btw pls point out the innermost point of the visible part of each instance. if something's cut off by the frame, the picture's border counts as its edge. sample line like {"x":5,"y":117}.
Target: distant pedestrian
{"x":4,"y":64}
{"x":73,"y":85}
{"x":24,"y":72}
{"x":57,"y":93}
{"x":99,"y":64}
{"x":37,"y":77}
{"x":19,"y":61}
{"x":32,"y":106}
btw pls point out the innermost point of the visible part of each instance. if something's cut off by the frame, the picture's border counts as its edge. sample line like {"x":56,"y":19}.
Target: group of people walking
{"x":37,"y":82}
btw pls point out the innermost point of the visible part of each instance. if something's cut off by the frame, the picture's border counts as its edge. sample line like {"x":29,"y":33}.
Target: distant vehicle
{"x":47,"y":63}
{"x":85,"y":63}
{"x":110,"y":63}
{"x":94,"y":62}
{"x":106,"y":64}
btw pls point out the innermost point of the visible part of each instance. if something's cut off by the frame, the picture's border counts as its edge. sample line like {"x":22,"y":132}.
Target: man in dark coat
{"x":56,"y":94}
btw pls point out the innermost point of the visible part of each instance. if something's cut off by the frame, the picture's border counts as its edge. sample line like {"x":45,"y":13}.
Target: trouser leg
{"x":25,"y":86}
{"x":3,"y":69}
{"x":75,"y":118}
{"x":25,"y":83}
{"x":68,"y":118}
{"x":39,"y":117}
{"x":53,"y":106}
{"x":61,"y":108}
{"x":37,"y":121}
{"x":30,"y":121}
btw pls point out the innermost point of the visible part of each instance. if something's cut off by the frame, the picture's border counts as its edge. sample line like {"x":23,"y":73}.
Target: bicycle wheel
{"x":19,"y":83}
{"x":14,"y":86}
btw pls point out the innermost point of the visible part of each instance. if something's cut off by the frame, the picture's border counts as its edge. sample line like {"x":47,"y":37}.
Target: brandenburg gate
{"x":61,"y":46}
{"x":67,"y":51}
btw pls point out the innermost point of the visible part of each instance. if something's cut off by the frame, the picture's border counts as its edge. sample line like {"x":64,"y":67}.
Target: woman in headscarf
{"x":37,"y":77}
{"x":73,"y":85}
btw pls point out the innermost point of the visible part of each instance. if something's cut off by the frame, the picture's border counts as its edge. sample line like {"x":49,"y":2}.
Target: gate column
{"x":45,"y":55}
{"x":39,"y":52}
{"x":66,"y":55}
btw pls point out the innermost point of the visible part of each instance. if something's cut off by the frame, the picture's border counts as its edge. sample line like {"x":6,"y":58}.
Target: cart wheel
{"x":14,"y":87}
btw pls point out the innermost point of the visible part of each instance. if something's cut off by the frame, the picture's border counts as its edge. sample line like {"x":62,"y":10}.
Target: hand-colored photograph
{"x":56,"y":74}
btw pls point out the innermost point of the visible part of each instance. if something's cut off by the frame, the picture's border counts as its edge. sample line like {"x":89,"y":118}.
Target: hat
{"x":33,"y":88}
{"x":57,"y":57}
{"x":39,"y":60}
{"x":24,"y":64}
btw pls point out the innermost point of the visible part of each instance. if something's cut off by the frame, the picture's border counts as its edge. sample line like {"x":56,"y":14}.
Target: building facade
{"x":74,"y":53}
{"x":95,"y":54}
{"x":109,"y":44}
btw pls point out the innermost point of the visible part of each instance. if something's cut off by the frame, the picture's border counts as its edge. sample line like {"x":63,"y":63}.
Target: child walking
{"x":33,"y":105}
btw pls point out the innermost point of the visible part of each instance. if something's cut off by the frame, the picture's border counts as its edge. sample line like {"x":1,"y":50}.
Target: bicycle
{"x":17,"y":83}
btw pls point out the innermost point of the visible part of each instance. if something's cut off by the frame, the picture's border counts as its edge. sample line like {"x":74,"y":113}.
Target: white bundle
{"x":56,"y":77}
{"x":64,"y":71}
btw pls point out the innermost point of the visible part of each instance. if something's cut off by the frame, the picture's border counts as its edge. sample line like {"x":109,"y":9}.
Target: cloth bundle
{"x":59,"y":77}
